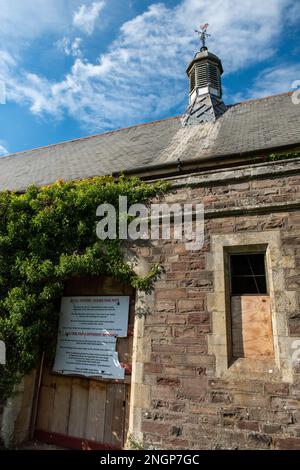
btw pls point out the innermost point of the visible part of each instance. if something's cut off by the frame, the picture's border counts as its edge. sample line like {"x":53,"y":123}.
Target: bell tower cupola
{"x":205,"y":85}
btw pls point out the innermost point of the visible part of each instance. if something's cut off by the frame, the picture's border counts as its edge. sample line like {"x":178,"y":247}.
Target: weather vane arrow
{"x":203,"y":35}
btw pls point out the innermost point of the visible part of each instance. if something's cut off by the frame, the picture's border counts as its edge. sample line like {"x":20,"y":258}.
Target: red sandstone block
{"x":204,"y":409}
{"x":155,"y":319}
{"x":152,"y":368}
{"x":176,"y":319}
{"x":199,"y":348}
{"x":154,"y":427}
{"x":194,"y":382}
{"x":166,"y":285}
{"x":192,"y":393}
{"x":239,"y":187}
{"x":248,"y":425}
{"x":179,"y":249}
{"x":170,"y":381}
{"x":284,"y":417}
{"x":158,"y":331}
{"x":265,"y":184}
{"x":239,"y":386}
{"x":277,"y":389}
{"x":162,"y":393}
{"x":181,"y":444}
{"x":198,"y":319}
{"x":196,"y":265}
{"x":167,"y":348}
{"x":165,"y":358}
{"x":177,"y":407}
{"x":289,"y":443}
{"x":179,"y":266}
{"x":165,"y":306}
{"x":203,"y":329}
{"x":294,"y":220}
{"x":180,"y":370}
{"x":162,"y":294}
{"x":294,"y":180}
{"x":251,"y":223}
{"x":184,"y":332}
{"x":195,"y":354}
{"x":221,"y":397}
{"x":251,"y":400}
{"x":271,"y":428}
{"x":174,"y":276}
{"x":279,"y":404}
{"x":189,"y":340}
{"x":259,"y":441}
{"x":191,"y":305}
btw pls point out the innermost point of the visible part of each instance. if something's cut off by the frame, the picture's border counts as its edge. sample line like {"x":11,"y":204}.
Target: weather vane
{"x":203,"y":35}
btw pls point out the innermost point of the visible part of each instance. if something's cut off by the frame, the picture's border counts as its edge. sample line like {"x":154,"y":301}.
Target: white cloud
{"x":21,"y":21}
{"x":70,"y":47}
{"x":293,"y":14}
{"x":3,"y":151}
{"x":142,"y":73}
{"x":86,"y":16}
{"x":274,"y":80}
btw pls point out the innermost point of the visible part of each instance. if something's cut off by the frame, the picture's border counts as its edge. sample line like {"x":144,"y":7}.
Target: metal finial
{"x":203,"y":35}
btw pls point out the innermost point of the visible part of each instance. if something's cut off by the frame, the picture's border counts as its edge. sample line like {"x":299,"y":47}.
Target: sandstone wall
{"x":186,"y":399}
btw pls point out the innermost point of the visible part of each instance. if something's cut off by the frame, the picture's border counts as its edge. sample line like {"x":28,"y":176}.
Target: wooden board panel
{"x":109,"y":410}
{"x":47,"y":377}
{"x":118,"y":418}
{"x":127,"y":410}
{"x":61,"y":407}
{"x":96,"y":411}
{"x":78,"y":408}
{"x":252,"y":334}
{"x":45,"y":407}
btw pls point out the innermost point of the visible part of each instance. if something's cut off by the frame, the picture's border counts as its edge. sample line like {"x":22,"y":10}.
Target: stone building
{"x":216,"y":364}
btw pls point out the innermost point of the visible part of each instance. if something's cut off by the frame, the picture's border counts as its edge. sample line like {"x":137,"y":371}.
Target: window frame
{"x":227,"y":252}
{"x":271,"y":242}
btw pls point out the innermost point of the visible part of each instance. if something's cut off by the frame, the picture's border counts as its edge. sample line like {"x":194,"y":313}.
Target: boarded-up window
{"x":251,"y":320}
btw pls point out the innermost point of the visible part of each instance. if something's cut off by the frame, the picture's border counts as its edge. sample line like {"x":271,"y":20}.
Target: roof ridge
{"x":268,"y":97}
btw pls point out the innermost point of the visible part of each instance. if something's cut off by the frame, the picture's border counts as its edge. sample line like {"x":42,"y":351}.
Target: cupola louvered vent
{"x":192,"y":79}
{"x":202,"y":75}
{"x":213,"y":76}
{"x":205,"y":74}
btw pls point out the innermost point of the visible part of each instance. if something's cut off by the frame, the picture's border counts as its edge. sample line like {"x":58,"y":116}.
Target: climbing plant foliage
{"x":48,"y":235}
{"x":273,"y":157}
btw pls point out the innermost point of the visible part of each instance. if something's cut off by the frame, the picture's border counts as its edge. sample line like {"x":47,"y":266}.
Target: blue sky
{"x":77,"y":67}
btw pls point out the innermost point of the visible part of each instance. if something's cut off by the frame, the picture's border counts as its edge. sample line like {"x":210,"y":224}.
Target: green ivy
{"x":48,"y":235}
{"x":273,"y":157}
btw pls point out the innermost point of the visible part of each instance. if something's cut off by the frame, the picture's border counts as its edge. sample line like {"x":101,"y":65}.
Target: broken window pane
{"x":248,"y":274}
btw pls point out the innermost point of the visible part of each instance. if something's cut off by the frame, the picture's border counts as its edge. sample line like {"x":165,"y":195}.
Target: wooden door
{"x":76,"y":412}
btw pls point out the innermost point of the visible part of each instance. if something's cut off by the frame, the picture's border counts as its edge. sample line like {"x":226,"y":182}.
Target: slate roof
{"x":245,"y":127}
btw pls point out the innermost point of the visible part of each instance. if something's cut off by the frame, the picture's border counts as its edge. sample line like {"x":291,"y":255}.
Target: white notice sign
{"x":88,"y":329}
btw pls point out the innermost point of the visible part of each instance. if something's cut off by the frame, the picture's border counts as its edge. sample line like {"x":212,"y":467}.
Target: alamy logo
{"x":296,"y":352}
{"x":158,"y":221}
{"x":2,"y":353}
{"x":296,"y":94}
